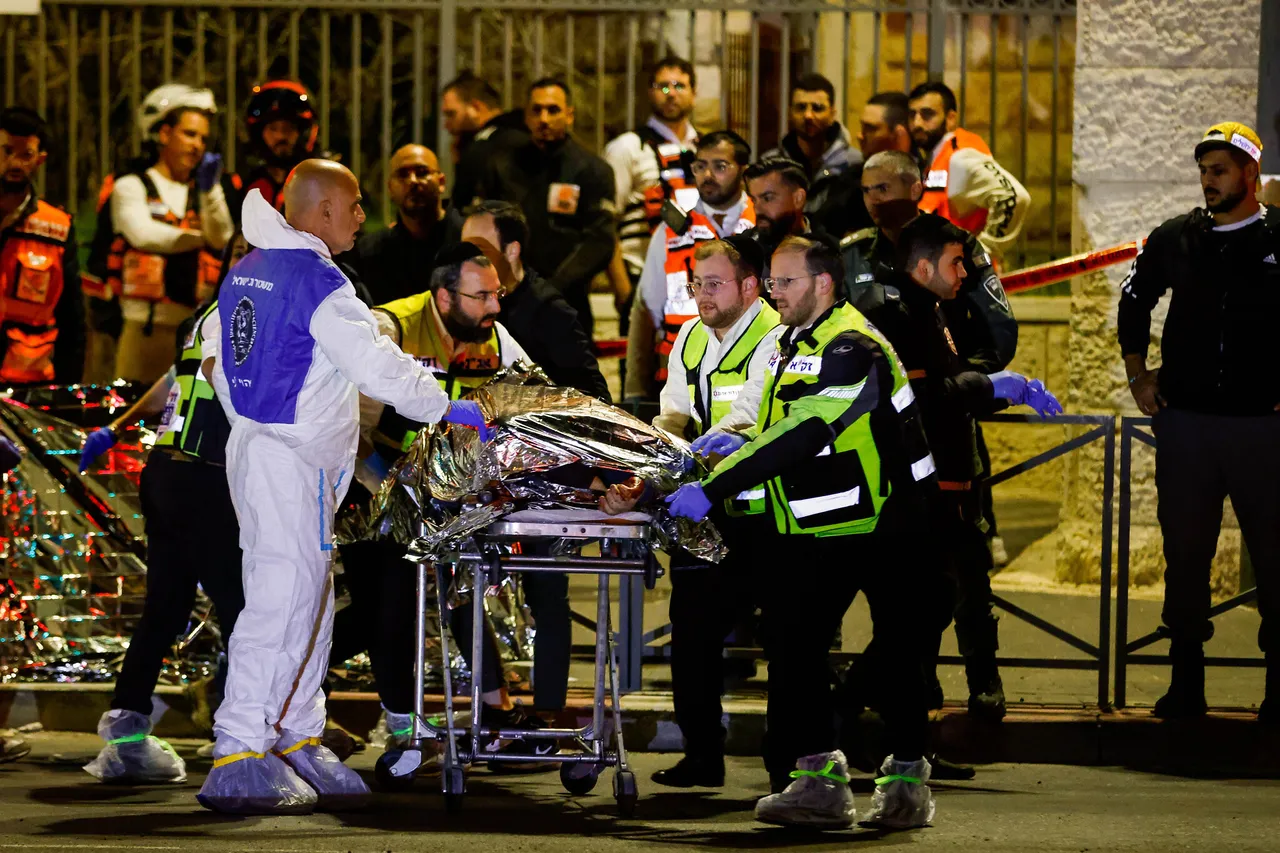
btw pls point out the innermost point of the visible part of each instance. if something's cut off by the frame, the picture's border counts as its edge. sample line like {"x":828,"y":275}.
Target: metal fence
{"x":375,"y":67}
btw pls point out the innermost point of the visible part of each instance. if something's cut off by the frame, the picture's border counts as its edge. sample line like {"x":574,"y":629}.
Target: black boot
{"x":949,"y":770}
{"x":986,"y":690}
{"x":1269,"y":710}
{"x":1185,"y":699}
{"x":693,"y":772}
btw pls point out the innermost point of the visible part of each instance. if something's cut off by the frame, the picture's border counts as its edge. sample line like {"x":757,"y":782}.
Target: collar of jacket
{"x":792,"y":338}
{"x":25,"y":209}
{"x":835,"y":143}
{"x":266,"y":228}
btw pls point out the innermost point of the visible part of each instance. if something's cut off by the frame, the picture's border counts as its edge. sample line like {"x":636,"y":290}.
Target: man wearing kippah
{"x":1214,"y":400}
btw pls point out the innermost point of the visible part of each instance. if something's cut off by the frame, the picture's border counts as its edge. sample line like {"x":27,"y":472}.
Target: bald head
{"x":416,"y":184}
{"x":322,"y":197}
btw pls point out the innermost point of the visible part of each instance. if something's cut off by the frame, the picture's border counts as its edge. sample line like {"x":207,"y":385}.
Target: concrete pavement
{"x":48,"y":803}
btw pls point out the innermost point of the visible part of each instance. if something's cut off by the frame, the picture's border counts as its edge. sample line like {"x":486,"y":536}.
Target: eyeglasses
{"x":710,"y":285}
{"x":668,"y":88}
{"x":484,"y":295}
{"x":720,"y":167}
{"x":772,"y":285}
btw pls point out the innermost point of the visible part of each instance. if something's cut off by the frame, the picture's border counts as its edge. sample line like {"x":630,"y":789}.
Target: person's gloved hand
{"x":208,"y":172}
{"x":689,"y":501}
{"x":10,"y":455}
{"x":719,"y":443}
{"x":1009,"y":386}
{"x":467,"y":413}
{"x":98,"y":443}
{"x":1041,"y":399}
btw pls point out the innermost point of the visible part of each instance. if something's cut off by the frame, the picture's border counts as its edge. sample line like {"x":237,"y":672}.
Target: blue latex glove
{"x":467,"y":413}
{"x":10,"y":455}
{"x":1041,"y":399}
{"x":689,"y":501}
{"x":719,"y":443}
{"x":1009,"y":386}
{"x":98,"y":443}
{"x":208,"y":172}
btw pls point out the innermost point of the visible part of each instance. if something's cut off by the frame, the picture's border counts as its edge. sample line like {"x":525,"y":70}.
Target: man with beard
{"x":566,"y":194}
{"x":396,"y":263}
{"x":538,"y":318}
{"x":722,"y":209}
{"x":1214,"y":401}
{"x":282,"y":128}
{"x":819,"y":143}
{"x":963,"y":183}
{"x":778,"y":189}
{"x":42,"y":316}
{"x":472,"y":113}
{"x":883,"y":128}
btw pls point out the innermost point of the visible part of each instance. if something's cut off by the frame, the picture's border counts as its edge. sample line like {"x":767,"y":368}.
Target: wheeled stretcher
{"x":503,"y":548}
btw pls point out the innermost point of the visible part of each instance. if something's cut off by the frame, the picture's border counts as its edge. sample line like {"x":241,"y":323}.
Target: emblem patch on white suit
{"x":244,"y":330}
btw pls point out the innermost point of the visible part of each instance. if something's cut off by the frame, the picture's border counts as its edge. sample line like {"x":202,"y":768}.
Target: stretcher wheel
{"x":651,"y":571}
{"x":625,"y":792}
{"x":577,"y":780}
{"x":455,"y":786}
{"x":384,"y":776}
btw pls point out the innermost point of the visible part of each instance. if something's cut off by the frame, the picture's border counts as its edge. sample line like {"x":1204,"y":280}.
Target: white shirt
{"x":635,"y":169}
{"x":676,"y":407}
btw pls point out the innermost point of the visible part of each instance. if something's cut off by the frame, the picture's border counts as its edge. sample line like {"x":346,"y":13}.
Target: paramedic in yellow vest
{"x":41,"y":313}
{"x":714,"y":384}
{"x":841,"y":454}
{"x":171,"y":223}
{"x":963,"y":182}
{"x":723,"y":208}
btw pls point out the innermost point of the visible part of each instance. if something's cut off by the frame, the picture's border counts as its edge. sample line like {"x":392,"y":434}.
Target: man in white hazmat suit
{"x":295,"y":350}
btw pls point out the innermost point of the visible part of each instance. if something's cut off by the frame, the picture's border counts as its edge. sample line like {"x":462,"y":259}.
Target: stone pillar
{"x":1151,"y":76}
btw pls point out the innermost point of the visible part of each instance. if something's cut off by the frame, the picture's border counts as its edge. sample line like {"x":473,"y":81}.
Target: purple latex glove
{"x":689,"y":501}
{"x":467,"y":413}
{"x":10,"y":455}
{"x":1041,"y":399}
{"x":208,"y":172}
{"x":98,"y":443}
{"x":719,"y":443}
{"x":1009,"y":386}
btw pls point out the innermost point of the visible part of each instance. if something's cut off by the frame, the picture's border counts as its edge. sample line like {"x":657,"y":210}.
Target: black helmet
{"x":282,"y":99}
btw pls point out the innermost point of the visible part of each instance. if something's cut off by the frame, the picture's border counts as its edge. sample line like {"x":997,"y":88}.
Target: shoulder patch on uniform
{"x":857,"y":237}
{"x":993,"y":287}
{"x":244,"y":329}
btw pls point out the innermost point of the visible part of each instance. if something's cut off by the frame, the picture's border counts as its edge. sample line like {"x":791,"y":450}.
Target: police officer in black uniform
{"x":566,"y":194}
{"x":1214,"y":400}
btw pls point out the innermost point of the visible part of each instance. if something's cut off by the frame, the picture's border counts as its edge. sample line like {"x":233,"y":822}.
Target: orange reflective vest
{"x":673,"y":174}
{"x":187,"y":279}
{"x":679,"y":305}
{"x":935,"y":198}
{"x":31,"y":282}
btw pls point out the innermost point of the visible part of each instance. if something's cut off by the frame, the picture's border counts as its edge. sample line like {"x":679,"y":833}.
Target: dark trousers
{"x":1201,"y":460}
{"x":816,"y":582}
{"x":988,"y":503}
{"x":193,"y":538}
{"x":708,"y":601}
{"x":962,"y":541}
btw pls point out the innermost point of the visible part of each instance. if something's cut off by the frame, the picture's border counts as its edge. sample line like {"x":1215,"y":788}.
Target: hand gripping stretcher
{"x":624,"y":545}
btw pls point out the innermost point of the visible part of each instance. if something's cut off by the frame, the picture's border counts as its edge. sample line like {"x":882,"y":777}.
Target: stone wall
{"x":1151,"y":76}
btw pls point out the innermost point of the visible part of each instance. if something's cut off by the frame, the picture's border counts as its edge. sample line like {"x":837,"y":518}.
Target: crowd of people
{"x":824,"y":323}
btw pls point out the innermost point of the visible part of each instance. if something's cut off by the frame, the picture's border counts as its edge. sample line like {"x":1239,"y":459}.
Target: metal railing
{"x":376,"y":68}
{"x":1128,"y":651}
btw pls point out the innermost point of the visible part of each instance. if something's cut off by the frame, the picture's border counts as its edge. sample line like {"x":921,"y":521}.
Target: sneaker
{"x":1181,"y":705}
{"x":13,"y":748}
{"x":999,"y":556}
{"x":902,"y":799}
{"x":520,"y":719}
{"x":818,"y":796}
{"x":986,"y":697}
{"x":693,"y":772}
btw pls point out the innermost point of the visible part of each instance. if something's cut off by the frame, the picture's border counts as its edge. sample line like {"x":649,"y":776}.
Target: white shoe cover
{"x":899,"y":803}
{"x":260,"y":784}
{"x":337,"y":786}
{"x":132,"y":755}
{"x":816,"y":798}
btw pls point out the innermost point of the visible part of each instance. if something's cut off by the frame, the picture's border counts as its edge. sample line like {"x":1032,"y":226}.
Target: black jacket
{"x":568,"y":248}
{"x":548,"y":329}
{"x":506,"y":130}
{"x":844,"y":210}
{"x":393,"y":263}
{"x":1218,"y":346}
{"x":813,"y":231}
{"x":949,"y":393}
{"x":981,"y":321}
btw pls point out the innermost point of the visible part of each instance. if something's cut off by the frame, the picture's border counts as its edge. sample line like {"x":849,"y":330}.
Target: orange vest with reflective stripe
{"x":935,"y":198}
{"x":672,"y":176}
{"x":679,"y":306}
{"x":31,"y":282}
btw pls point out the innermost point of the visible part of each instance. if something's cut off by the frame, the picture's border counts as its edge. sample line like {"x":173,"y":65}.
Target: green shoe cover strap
{"x":824,"y":773}
{"x":138,"y":738}
{"x":885,"y":780}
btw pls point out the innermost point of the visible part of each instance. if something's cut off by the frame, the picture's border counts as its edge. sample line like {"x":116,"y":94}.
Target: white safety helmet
{"x":163,"y":100}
